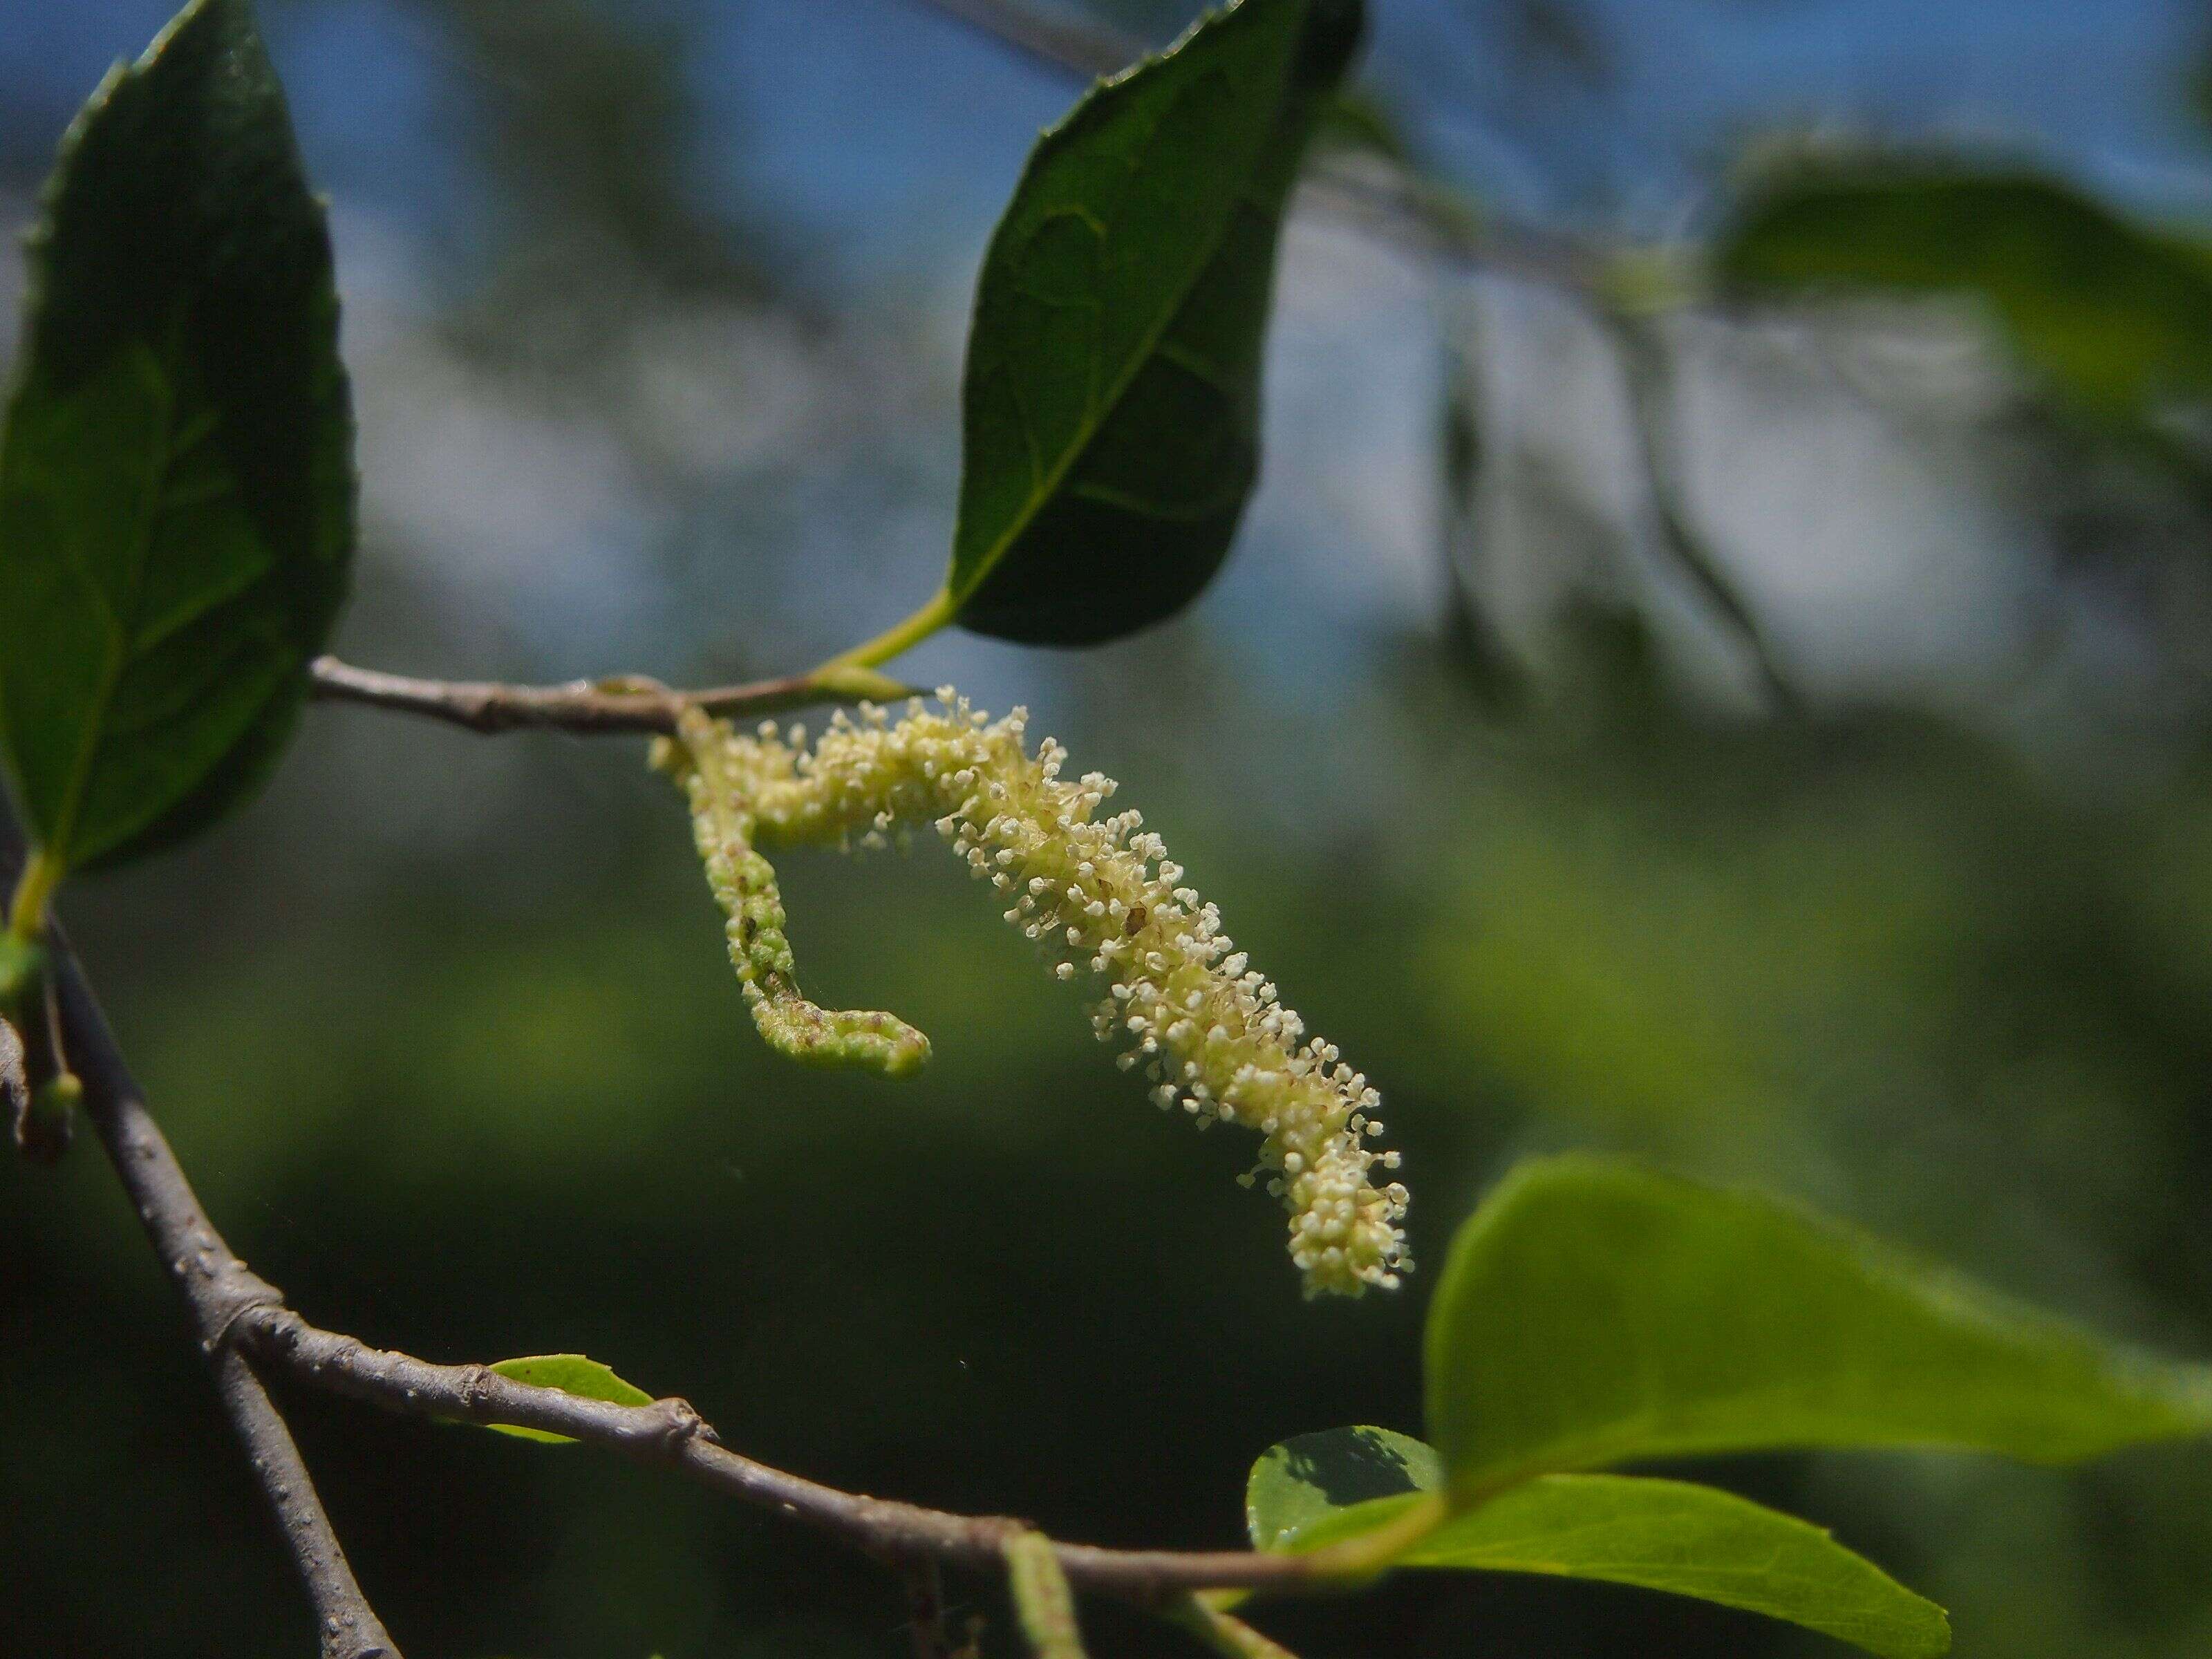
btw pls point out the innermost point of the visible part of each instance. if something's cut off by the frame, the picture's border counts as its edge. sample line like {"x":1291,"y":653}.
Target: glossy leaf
{"x":571,"y":1373}
{"x":2117,"y":315}
{"x":1656,"y":1534}
{"x":1112,"y":400}
{"x":1310,"y":1477}
{"x":1592,"y":1312}
{"x":176,"y":481}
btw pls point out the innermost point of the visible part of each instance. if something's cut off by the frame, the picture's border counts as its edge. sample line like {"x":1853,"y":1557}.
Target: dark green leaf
{"x":571,"y":1373}
{"x":1592,"y":1312}
{"x":1112,"y":403}
{"x":1658,"y":1535}
{"x":2116,"y":316}
{"x":176,"y":484}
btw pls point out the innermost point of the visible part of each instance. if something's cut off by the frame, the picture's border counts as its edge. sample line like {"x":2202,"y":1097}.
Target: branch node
{"x":682,"y":1424}
{"x":231,"y":1308}
{"x":478,"y":1383}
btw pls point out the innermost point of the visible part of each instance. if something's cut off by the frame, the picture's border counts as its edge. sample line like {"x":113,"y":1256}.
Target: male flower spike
{"x":1099,"y":893}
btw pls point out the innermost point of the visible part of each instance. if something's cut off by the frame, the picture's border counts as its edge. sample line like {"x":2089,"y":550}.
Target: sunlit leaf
{"x":1306,"y":1478}
{"x":1658,"y":1535}
{"x":1112,"y":402}
{"x":571,"y":1373}
{"x":176,"y":481}
{"x":1592,"y":1312}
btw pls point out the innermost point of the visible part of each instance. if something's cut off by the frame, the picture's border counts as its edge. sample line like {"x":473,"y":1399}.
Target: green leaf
{"x":1112,"y":400}
{"x":1591,"y":1313}
{"x":176,"y":479}
{"x":1656,"y":1534}
{"x":1310,"y":1476}
{"x":571,"y":1373}
{"x":2116,"y":316}
{"x":1690,"y":1540}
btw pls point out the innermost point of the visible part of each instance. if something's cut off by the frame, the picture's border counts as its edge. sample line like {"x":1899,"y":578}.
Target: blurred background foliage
{"x":1866,"y":334}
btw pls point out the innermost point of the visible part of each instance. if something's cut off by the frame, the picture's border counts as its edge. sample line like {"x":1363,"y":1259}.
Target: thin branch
{"x":1376,"y":195}
{"x":217,"y":1288}
{"x":238,"y":1313}
{"x":671,"y":1434}
{"x":348,"y":1626}
{"x":1651,"y":388}
{"x":587,"y":707}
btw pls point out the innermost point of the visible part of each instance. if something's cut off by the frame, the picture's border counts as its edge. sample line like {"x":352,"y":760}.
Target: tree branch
{"x":671,"y":1434}
{"x":1378,"y":196}
{"x":587,"y":707}
{"x":238,"y":1313}
{"x":218,"y":1290}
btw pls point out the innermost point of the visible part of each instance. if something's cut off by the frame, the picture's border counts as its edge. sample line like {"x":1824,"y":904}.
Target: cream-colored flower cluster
{"x":719,"y":775}
{"x":1097,"y":891}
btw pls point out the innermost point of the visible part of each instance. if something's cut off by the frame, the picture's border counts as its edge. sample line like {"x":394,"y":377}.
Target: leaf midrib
{"x":1043,"y":492}
{"x":170,"y":445}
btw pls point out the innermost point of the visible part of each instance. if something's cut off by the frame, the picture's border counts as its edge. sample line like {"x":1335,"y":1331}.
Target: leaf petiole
{"x":892,"y":641}
{"x":34,"y":887}
{"x":1371,"y":1553}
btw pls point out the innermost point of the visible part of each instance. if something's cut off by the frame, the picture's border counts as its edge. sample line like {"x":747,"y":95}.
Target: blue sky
{"x":889,"y":135}
{"x":880,"y":140}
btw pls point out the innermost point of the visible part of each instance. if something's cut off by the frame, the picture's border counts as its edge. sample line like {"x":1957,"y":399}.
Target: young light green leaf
{"x":571,"y":1373}
{"x":1112,"y":400}
{"x":2116,"y":315}
{"x":1591,"y":1313}
{"x":176,"y":479}
{"x":1656,"y":1534}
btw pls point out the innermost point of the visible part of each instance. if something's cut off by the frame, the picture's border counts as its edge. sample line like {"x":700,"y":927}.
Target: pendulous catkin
{"x":1099,"y":892}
